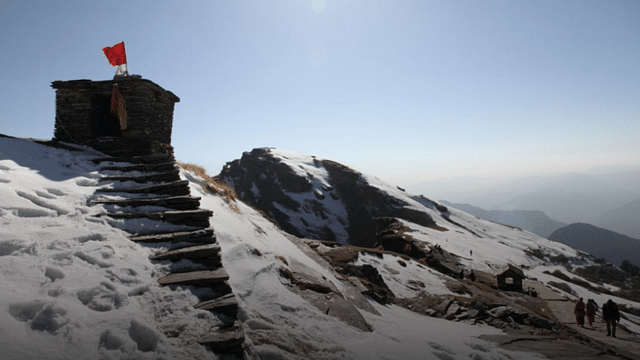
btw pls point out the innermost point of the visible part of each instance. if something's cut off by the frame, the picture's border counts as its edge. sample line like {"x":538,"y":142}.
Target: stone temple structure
{"x":134,"y":117}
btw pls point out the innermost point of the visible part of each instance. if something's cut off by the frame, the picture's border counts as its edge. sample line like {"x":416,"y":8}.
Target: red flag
{"x":116,"y":54}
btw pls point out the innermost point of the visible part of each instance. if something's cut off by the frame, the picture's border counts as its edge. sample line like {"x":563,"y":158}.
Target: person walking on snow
{"x":591,"y":311}
{"x":579,"y":312}
{"x":611,"y":315}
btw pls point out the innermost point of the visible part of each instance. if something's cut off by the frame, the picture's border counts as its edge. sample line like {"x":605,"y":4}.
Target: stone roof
{"x":508,"y":267}
{"x":59,"y":84}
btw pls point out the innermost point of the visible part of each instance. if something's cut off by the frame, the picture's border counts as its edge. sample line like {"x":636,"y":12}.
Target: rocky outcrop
{"x":394,"y":236}
{"x":321,"y":293}
{"x":316,"y":199}
{"x":365,"y":203}
{"x":474,"y":311}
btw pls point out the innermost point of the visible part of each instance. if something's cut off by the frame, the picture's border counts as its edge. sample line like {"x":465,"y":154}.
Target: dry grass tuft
{"x":213,"y":186}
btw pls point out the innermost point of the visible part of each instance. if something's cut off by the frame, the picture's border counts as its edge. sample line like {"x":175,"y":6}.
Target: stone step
{"x":226,"y":340}
{"x":222,"y":288}
{"x":168,"y":176}
{"x":155,"y":167}
{"x":196,"y":236}
{"x":182,"y":266}
{"x":184,"y":202}
{"x":180,"y":187}
{"x":212,"y":262}
{"x":191,"y":252}
{"x":199,"y":218}
{"x":205,"y":278}
{"x":144,"y":159}
{"x":226,"y":304}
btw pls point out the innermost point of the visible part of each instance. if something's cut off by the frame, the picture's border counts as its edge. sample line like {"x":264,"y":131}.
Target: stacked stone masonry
{"x":83,"y":113}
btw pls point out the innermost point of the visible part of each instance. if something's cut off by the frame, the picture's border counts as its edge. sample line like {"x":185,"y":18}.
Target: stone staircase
{"x":195,"y":252}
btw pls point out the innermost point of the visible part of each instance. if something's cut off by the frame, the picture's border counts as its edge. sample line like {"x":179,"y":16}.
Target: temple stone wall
{"x":82,"y":109}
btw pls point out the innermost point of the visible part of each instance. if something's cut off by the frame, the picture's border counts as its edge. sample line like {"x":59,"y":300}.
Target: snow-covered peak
{"x":320,"y":199}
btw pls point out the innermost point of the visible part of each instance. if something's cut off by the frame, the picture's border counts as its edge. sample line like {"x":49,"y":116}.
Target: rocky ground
{"x":542,"y":323}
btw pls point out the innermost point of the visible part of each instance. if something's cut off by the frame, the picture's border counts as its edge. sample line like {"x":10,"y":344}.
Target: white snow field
{"x":72,"y":286}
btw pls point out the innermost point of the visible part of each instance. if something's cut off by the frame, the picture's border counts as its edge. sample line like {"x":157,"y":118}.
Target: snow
{"x":73,"y":285}
{"x":280,"y":322}
{"x":397,"y":276}
{"x":334,"y":215}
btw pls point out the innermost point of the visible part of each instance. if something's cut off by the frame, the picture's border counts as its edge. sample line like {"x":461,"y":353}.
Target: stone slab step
{"x":212,"y":262}
{"x":197,"y":236}
{"x":224,"y":340}
{"x":159,"y":167}
{"x":191,"y":252}
{"x":203,"y":278}
{"x":184,"y":202}
{"x":222,"y":288}
{"x":198,"y":217}
{"x":183,"y":266}
{"x":144,"y":159}
{"x":180,"y":187}
{"x":226,"y":304}
{"x":168,"y":176}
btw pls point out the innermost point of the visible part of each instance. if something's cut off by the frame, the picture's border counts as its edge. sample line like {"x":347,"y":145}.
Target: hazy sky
{"x":403,"y":90}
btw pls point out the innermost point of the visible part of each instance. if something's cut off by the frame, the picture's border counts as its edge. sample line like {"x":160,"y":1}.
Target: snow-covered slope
{"x":72,"y":286}
{"x":493,"y":245}
{"x":310,"y":191}
{"x":282,"y":325}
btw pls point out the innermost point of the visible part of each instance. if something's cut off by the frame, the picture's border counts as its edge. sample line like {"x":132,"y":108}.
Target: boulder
{"x":335,"y":305}
{"x":540,"y":323}
{"x":443,"y":306}
{"x":500,"y":312}
{"x":453,"y":309}
{"x":473,"y":313}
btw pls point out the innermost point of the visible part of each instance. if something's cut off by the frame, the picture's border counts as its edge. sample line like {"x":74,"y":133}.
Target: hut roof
{"x":512,"y":268}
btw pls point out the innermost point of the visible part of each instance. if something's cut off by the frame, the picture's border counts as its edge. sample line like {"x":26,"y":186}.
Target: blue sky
{"x":408,"y":91}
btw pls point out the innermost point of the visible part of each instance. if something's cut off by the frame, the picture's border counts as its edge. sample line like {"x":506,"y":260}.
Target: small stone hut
{"x":510,"y":278}
{"x":84,"y":115}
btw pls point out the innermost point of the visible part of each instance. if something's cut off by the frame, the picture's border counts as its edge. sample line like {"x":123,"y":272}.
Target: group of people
{"x":472,"y":275}
{"x":437,"y":247}
{"x":610,"y":314}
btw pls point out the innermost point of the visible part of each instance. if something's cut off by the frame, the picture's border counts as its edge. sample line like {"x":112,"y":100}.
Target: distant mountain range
{"x":534,"y":221}
{"x":599,"y":242}
{"x":624,"y":220}
{"x":606,"y":197}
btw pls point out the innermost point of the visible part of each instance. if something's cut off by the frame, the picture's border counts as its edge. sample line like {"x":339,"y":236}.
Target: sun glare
{"x":318,"y":6}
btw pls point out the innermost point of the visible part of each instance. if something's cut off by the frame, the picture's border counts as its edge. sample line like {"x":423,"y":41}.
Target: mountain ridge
{"x":600,"y":190}
{"x":623,"y":220}
{"x":600,"y":242}
{"x":316,"y":198}
{"x":534,"y":221}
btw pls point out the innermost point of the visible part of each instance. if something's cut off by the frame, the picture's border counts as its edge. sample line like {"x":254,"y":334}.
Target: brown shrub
{"x":213,"y":186}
